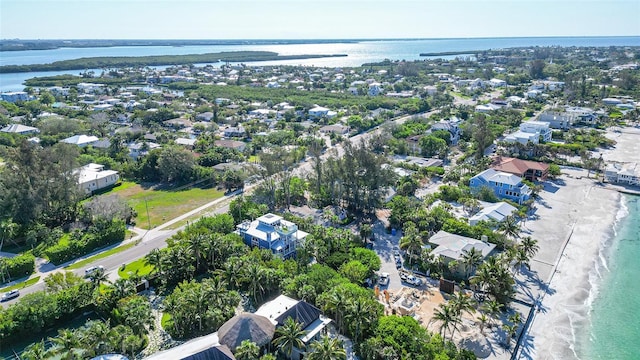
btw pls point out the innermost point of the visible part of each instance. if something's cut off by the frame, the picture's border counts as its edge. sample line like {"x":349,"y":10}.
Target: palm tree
{"x":196,"y":244}
{"x":460,"y":303}
{"x":327,"y":348}
{"x":154,"y":258}
{"x":337,"y":302}
{"x":483,"y":320}
{"x":447,"y":317}
{"x":359,"y":316}
{"x":35,"y":351}
{"x":471,"y":259}
{"x":7,"y":230}
{"x":521,"y":260}
{"x":493,"y":308}
{"x":288,"y":336}
{"x":247,"y":350}
{"x":98,"y":277}
{"x":509,"y":227}
{"x":65,"y":344}
{"x":254,"y":275}
{"x":529,"y":246}
{"x":97,"y":333}
{"x":411,"y":241}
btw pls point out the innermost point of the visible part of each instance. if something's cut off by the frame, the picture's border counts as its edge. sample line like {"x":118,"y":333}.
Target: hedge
{"x":96,"y":236}
{"x":20,"y":266}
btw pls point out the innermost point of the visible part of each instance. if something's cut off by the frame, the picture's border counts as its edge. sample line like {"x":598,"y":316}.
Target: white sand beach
{"x":573,"y":221}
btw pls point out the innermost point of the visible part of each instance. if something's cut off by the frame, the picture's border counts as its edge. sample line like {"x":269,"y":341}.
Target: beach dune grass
{"x":157,"y":205}
{"x":139,"y":267}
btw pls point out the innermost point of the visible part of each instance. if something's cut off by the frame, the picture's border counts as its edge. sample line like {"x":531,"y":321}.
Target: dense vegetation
{"x":135,"y":61}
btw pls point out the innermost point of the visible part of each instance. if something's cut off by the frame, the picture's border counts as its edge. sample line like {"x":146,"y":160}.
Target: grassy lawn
{"x":99,"y":256}
{"x":21,"y":285}
{"x":138,"y":266}
{"x":163,"y":204}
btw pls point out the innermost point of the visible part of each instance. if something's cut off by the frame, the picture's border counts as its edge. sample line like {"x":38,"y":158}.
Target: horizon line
{"x":320,"y":39}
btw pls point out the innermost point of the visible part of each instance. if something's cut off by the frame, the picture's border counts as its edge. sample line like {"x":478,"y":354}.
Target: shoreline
{"x":575,"y":225}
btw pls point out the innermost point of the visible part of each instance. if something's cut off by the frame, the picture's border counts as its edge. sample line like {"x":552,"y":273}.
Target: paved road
{"x":157,"y":237}
{"x":153,"y":239}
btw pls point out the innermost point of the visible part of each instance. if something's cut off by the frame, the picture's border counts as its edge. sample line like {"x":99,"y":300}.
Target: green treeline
{"x":132,"y":61}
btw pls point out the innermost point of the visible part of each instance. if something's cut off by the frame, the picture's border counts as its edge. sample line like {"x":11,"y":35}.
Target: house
{"x":92,"y":177}
{"x":20,"y":129}
{"x":529,"y":170}
{"x":138,"y":149}
{"x":503,"y":185}
{"x":272,"y":232}
{"x":206,"y":347}
{"x":205,"y":116}
{"x":557,"y":120}
{"x":449,"y":125}
{"x":80,"y":140}
{"x":178,"y":123}
{"x":231,"y":144}
{"x":493,"y":212}
{"x":451,"y":247}
{"x":620,"y":173}
{"x":497,"y":83}
{"x":414,"y":143}
{"x":485,"y":108}
{"x":308,"y":316}
{"x":336,"y":129}
{"x":534,"y":131}
{"x":187,"y":143}
{"x":318,"y":112}
{"x":14,"y":96}
{"x":238,"y":131}
{"x":419,"y":161}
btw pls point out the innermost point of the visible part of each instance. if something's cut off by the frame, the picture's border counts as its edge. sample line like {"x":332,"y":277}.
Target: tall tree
{"x":327,"y":348}
{"x":289,"y":336}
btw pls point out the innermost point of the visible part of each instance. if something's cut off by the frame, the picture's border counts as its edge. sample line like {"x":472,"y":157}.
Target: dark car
{"x":10,"y":295}
{"x":398,"y":264}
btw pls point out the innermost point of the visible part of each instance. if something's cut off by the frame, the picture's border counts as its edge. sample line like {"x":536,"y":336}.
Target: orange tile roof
{"x":517,"y":166}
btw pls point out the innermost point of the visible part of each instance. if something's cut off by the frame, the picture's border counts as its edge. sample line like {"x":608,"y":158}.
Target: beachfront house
{"x":493,"y":212}
{"x":529,"y":170}
{"x":503,"y":185}
{"x":621,"y":173}
{"x":93,"y":177}
{"x":308,"y":316}
{"x":272,"y":232}
{"x":451,"y":247}
{"x":531,"y":131}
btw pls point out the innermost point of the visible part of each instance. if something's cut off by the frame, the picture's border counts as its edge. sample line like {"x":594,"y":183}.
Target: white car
{"x":384,"y":279}
{"x":93,"y":269}
{"x":10,"y":295}
{"x":412,"y":280}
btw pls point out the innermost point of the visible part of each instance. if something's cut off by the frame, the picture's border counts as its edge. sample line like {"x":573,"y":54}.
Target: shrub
{"x":20,"y":266}
{"x":102,"y":234}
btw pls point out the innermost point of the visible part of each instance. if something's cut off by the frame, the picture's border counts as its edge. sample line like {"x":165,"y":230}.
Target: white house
{"x":531,"y":131}
{"x":94,"y":177}
{"x":453,"y":247}
{"x":318,"y":112}
{"x":496,"y":212}
{"x":20,"y":129}
{"x":497,"y":83}
{"x":623,"y":173}
{"x":80,"y":140}
{"x":308,"y":316}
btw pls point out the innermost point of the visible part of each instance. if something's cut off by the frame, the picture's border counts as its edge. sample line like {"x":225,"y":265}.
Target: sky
{"x":315,"y":19}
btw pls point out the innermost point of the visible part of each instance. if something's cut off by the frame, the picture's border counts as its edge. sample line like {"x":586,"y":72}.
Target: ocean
{"x":357,"y":53}
{"x":613,"y":330}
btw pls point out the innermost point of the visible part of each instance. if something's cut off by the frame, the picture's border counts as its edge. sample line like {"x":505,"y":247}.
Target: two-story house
{"x":272,"y":232}
{"x":504,"y":185}
{"x":449,"y":125}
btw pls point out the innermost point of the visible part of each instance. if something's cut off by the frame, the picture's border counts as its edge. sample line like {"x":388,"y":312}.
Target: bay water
{"x":358,"y":53}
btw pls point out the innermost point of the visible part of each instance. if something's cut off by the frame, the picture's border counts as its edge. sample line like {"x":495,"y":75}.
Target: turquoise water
{"x":615,"y":314}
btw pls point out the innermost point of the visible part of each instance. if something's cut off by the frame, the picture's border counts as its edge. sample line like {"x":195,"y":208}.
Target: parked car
{"x":91,"y":270}
{"x":384,"y":279}
{"x":414,"y":281}
{"x":398,"y":263}
{"x":10,"y":295}
{"x":396,"y":253}
{"x":403,"y":275}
